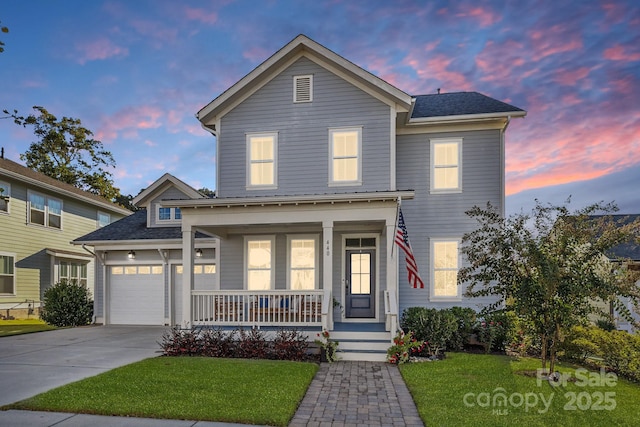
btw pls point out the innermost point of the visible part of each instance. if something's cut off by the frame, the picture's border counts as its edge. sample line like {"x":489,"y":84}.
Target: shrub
{"x":181,"y":342}
{"x":493,"y":331}
{"x":67,"y":304}
{"x":290,"y":345}
{"x":436,"y":327}
{"x":252,"y":344}
{"x":466,"y":319}
{"x":404,"y":345}
{"x":217,"y":343}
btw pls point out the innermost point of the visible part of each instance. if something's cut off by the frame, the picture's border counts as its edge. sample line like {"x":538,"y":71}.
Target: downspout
{"x":93,"y":318}
{"x":503,"y":178}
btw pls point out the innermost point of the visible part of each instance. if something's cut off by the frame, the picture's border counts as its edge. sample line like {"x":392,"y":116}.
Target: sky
{"x":136,"y":73}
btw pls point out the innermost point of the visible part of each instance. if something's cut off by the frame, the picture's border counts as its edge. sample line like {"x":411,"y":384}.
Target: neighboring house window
{"x":73,"y":272}
{"x":262,"y":154}
{"x":446,"y":165}
{"x":303,"y":88}
{"x":46,"y":211}
{"x":259,"y":263}
{"x":5,"y":194}
{"x":103,"y":219}
{"x":445,"y":262}
{"x":168,"y":214}
{"x":302,"y":262}
{"x":7,"y":275}
{"x":345,"y":146}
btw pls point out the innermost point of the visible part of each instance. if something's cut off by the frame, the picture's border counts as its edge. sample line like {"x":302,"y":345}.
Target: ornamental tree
{"x":549,"y":266}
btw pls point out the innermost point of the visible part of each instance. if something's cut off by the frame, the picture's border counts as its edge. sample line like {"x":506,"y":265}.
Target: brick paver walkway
{"x":357,"y":394}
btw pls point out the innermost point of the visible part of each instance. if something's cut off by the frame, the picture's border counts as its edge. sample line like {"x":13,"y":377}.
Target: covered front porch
{"x":353,"y":278}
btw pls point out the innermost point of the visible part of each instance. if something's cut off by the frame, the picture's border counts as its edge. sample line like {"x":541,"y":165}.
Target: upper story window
{"x":446,"y":165}
{"x":103,"y":219}
{"x":259,"y":261}
{"x":5,"y":194}
{"x":445,"y":263}
{"x":302,"y":262}
{"x":345,"y":162}
{"x":303,"y":88}
{"x":45,"y":210}
{"x":262,"y":154}
{"x":168,"y":214}
{"x":7,"y":275}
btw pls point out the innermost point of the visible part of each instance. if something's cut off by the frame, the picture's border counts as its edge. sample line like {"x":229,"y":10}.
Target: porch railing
{"x":251,"y":308}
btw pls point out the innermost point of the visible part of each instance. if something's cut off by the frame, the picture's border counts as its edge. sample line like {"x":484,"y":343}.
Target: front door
{"x":360,"y":283}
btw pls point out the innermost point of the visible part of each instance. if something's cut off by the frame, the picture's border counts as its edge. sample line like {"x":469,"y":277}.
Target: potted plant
{"x":328,"y":347}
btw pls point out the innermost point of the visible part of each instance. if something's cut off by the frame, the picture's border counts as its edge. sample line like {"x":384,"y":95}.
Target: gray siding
{"x":443,"y":215}
{"x":303,"y":134}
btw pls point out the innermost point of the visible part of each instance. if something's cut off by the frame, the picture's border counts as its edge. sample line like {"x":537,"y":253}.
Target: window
{"x":46,"y":211}
{"x":302,"y":262}
{"x":73,"y":272}
{"x":446,"y":170}
{"x":103,"y":219}
{"x":168,"y":214}
{"x":5,"y":194}
{"x":444,"y":254}
{"x":199,"y":269}
{"x":133,"y":269}
{"x":344,"y":152}
{"x":259,"y":261}
{"x":261,"y":160}
{"x":7,"y":275}
{"x":303,"y":88}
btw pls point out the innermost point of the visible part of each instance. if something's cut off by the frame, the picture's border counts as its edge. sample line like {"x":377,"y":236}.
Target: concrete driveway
{"x":34,"y":363}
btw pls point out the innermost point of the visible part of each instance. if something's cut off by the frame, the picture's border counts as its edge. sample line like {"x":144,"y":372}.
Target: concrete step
{"x":366,"y":336}
{"x":362,"y":356}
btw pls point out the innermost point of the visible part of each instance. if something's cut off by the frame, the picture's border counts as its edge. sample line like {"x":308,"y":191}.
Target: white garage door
{"x":204,"y":276}
{"x":137,"y":295}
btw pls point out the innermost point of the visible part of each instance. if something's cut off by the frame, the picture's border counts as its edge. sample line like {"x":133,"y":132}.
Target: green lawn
{"x":460,"y":391}
{"x":192,"y":388}
{"x":23,"y":326}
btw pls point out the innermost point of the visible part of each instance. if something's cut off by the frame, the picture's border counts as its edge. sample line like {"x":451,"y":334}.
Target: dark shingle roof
{"x":133,"y":227}
{"x":18,"y":169}
{"x":458,"y":104}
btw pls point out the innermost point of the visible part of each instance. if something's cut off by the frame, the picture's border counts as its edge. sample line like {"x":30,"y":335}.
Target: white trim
{"x":316,"y":256}
{"x":14,"y":256}
{"x":6,"y":194}
{"x":253,"y":238}
{"x":161,"y":184}
{"x":432,"y":143}
{"x":350,"y":129}
{"x":295,"y":88}
{"x":393,"y":139}
{"x":466,"y":117}
{"x":432,"y":296}
{"x":249,"y":136}
{"x":172,"y":215}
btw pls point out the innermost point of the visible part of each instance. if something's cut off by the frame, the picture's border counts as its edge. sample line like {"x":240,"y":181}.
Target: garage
{"x":136,"y":295}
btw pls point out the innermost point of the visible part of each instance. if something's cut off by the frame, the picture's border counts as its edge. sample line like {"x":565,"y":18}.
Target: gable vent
{"x":303,"y":88}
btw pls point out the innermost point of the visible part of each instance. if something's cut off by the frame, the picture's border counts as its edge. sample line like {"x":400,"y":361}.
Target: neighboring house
{"x":314,"y":155}
{"x":39,"y":216}
{"x":138,"y":280}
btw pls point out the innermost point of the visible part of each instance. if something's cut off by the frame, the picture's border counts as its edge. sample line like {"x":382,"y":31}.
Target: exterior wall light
{"x":198,"y":253}
{"x":131,"y":255}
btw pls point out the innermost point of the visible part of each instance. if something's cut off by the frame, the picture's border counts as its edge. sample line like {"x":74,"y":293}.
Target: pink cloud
{"x":570,"y":77}
{"x":157,"y":31}
{"x":128,"y":121}
{"x":201,"y":15}
{"x":437,"y":69}
{"x":499,"y":61}
{"x":620,"y":53}
{"x":484,"y":16}
{"x":256,"y":54}
{"x":99,"y":49}
{"x":551,"y":41}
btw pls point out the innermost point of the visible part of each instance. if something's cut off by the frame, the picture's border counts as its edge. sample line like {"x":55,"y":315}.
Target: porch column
{"x":392,"y":272}
{"x":327,"y":268}
{"x":188,"y":242}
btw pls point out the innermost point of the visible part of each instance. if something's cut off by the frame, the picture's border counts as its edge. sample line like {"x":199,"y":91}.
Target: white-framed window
{"x":262,"y":160}
{"x":303,"y":88}
{"x":45,"y":210}
{"x":445,"y":262}
{"x":74,"y":272}
{"x":5,"y":195}
{"x":7,"y":273}
{"x":302,"y":262}
{"x":165,"y":215}
{"x":118,"y":270}
{"x":259,"y":262}
{"x":103,"y":219}
{"x":345,"y":160}
{"x":446,"y":165}
{"x":199,"y":269}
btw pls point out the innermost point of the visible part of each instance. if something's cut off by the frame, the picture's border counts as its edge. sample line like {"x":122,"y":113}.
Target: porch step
{"x":362,"y":346}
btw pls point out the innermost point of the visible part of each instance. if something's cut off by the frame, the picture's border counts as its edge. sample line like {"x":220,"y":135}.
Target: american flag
{"x":402,"y":240}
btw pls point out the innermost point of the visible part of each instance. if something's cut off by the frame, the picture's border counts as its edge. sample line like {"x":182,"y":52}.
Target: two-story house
{"x":39,"y":216}
{"x":314,"y":157}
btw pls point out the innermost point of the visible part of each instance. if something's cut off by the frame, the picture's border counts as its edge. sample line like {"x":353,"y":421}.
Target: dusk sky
{"x":136,"y":72}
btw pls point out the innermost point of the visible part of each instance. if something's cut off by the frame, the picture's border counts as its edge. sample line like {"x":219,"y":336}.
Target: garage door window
{"x":136,"y":269}
{"x":199,"y":269}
